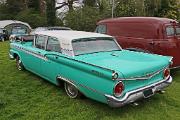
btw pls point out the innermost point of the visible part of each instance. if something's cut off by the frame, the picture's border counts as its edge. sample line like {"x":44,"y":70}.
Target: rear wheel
{"x":71,"y":90}
{"x":19,"y":64}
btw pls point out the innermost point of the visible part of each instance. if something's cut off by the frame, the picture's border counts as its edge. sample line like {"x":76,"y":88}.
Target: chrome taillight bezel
{"x":119,"y":94}
{"x":164,"y":72}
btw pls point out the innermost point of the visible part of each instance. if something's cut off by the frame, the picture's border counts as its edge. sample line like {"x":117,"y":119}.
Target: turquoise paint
{"x":89,"y":71}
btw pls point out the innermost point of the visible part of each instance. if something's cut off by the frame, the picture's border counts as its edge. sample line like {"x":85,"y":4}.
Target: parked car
{"x":3,"y":34}
{"x":38,"y":29}
{"x":94,"y":65}
{"x":145,"y":34}
{"x":23,"y":38}
{"x":16,"y":32}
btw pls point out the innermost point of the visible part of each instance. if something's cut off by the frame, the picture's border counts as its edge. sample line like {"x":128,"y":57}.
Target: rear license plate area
{"x":148,"y":93}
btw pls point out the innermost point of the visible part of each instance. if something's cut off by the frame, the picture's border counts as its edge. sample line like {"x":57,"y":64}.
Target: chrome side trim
{"x":148,"y":76}
{"x":30,"y":52}
{"x":91,"y":89}
{"x":134,"y":95}
{"x":77,"y":84}
{"x":177,"y":67}
{"x":67,"y":80}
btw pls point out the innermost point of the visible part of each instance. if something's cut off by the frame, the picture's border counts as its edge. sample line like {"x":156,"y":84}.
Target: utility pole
{"x":42,"y":5}
{"x":113,"y":5}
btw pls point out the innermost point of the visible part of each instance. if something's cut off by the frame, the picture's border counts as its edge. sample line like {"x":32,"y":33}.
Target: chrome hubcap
{"x":71,"y":90}
{"x":19,"y":64}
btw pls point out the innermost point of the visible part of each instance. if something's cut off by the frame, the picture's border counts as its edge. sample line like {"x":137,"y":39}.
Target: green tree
{"x":4,"y":14}
{"x":83,"y":19}
{"x":162,"y":8}
{"x":32,"y":17}
{"x":14,"y":6}
{"x":90,"y":3}
{"x":50,"y":13}
{"x":152,"y":7}
{"x":169,"y":9}
{"x":34,"y":4}
{"x":126,"y":8}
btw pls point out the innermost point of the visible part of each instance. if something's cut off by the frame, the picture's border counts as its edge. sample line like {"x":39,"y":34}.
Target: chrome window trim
{"x":113,"y":39}
{"x":48,"y":39}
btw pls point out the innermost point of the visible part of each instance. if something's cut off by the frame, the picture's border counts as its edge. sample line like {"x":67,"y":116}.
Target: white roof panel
{"x":67,"y":36}
{"x":70,"y":35}
{"x":4,"y":23}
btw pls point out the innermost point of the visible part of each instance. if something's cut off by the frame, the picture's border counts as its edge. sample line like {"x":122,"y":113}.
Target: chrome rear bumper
{"x":177,"y":67}
{"x":134,"y":95}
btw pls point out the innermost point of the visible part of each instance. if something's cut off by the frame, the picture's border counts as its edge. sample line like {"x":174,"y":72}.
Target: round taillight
{"x":166,"y":73}
{"x":118,"y":89}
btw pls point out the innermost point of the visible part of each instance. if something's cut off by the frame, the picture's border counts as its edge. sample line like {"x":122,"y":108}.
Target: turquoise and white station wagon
{"x":93,"y":65}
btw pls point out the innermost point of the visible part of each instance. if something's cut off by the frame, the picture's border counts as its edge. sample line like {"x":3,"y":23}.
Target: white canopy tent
{"x":10,"y":24}
{"x":4,"y":23}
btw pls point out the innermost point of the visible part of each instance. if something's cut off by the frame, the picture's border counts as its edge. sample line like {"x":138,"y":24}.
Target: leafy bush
{"x":126,"y":8}
{"x":83,"y":19}
{"x":4,"y":14}
{"x":32,"y":17}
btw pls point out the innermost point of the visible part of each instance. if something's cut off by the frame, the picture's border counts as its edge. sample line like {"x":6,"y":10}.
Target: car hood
{"x":127,"y":63}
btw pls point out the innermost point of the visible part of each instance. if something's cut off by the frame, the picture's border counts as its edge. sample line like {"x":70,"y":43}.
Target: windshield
{"x":178,"y":30}
{"x":170,"y":31}
{"x":93,"y":45}
{"x":18,"y":31}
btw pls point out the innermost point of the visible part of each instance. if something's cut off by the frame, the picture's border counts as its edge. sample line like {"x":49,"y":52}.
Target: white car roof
{"x":70,"y":35}
{"x":66,"y":37}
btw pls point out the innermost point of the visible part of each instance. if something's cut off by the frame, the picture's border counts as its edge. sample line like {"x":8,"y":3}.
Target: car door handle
{"x":151,"y":43}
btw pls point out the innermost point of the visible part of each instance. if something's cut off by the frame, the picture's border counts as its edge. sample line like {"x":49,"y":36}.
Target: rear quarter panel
{"x":91,"y":84}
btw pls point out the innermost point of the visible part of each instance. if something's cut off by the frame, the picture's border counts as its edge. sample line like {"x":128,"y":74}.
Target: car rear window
{"x":94,"y":45}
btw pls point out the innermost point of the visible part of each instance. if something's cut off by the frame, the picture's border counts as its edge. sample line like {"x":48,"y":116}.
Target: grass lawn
{"x":25,"y":96}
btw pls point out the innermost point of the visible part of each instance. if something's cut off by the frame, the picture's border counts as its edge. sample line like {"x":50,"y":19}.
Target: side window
{"x":40,"y":42}
{"x":170,"y":31}
{"x":101,"y":29}
{"x":53,"y":45}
